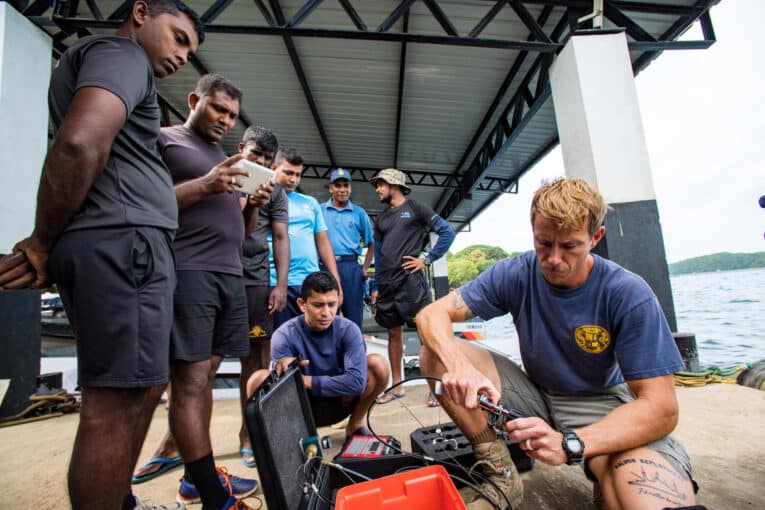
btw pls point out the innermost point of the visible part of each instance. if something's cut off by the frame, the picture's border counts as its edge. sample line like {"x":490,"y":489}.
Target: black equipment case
{"x":278,"y":417}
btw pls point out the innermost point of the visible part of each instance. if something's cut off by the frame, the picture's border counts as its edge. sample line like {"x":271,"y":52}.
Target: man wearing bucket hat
{"x":349,"y":228}
{"x":400,"y":236}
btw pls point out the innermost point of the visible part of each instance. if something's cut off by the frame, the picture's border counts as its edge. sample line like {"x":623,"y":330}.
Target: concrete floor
{"x":720,"y":425}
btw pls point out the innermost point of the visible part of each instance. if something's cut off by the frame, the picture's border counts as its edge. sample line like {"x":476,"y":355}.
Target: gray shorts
{"x":574,"y":411}
{"x":210,"y":316}
{"x":117,"y":288}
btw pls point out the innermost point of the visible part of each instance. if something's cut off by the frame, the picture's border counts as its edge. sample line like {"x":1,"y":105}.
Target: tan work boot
{"x":497,"y":465}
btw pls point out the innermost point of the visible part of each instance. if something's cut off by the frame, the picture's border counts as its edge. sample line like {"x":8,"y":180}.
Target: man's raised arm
{"x":461,"y":381}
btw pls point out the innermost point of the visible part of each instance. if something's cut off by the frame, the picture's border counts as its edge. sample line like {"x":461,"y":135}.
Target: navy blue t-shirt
{"x":578,"y":340}
{"x":337,"y":355}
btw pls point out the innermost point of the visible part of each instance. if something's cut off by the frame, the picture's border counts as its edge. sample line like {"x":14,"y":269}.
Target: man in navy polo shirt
{"x":349,"y":229}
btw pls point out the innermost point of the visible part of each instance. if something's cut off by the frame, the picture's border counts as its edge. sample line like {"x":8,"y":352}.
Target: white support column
{"x":25,"y":67}
{"x":602,"y":140}
{"x":440,"y":272}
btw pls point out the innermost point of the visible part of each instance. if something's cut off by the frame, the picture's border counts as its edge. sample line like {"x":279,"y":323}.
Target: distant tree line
{"x":467,"y":264}
{"x":724,"y":261}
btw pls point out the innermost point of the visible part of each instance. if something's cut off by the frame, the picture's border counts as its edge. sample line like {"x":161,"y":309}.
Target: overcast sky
{"x":704,"y":118}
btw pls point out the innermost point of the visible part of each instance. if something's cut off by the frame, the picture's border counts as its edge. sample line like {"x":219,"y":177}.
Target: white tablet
{"x":258,"y":175}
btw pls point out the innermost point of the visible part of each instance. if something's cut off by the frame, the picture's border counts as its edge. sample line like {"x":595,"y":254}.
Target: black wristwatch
{"x":573,"y":446}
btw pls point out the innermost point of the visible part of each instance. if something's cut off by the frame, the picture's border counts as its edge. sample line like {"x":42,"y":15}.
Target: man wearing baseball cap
{"x":349,"y":229}
{"x":400,"y":236}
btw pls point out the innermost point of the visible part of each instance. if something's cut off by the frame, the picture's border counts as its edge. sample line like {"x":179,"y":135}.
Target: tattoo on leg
{"x":654,"y":479}
{"x":459,"y":304}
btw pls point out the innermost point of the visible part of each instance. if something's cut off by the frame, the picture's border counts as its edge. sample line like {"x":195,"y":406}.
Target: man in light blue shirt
{"x":349,"y":229}
{"x":307,"y":231}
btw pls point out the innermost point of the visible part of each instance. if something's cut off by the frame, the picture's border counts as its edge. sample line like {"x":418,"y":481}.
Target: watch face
{"x":574,"y":446}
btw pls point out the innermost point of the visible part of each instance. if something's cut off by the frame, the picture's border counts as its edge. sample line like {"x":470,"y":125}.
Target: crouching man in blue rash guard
{"x":598,"y":356}
{"x":340,"y":377}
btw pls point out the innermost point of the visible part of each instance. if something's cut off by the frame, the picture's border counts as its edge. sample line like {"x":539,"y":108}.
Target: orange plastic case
{"x":419,"y":489}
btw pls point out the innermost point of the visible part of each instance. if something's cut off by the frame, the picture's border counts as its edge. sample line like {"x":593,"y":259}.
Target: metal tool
{"x":498,"y":414}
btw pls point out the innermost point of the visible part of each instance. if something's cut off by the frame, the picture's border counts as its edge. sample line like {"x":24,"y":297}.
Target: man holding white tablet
{"x":210,"y":311}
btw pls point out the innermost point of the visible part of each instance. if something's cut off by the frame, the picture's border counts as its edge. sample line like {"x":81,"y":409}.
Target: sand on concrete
{"x":722,"y":426}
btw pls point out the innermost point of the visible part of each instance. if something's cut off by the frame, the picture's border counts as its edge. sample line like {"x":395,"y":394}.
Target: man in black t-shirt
{"x":106,"y":214}
{"x":402,"y":291}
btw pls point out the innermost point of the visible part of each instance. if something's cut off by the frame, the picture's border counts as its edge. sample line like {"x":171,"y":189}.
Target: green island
{"x":724,"y":261}
{"x":468,"y":263}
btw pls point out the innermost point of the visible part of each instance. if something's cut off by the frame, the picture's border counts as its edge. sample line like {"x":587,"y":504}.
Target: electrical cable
{"x":470,"y":473}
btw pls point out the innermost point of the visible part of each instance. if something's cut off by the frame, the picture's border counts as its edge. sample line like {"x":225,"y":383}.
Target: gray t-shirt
{"x":134,"y":187}
{"x":211,"y":231}
{"x":255,"y":249}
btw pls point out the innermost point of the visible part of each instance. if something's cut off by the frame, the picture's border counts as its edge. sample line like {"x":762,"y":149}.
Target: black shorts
{"x":399,"y":302}
{"x":329,"y":410}
{"x":210,"y":316}
{"x":117,"y":288}
{"x":261,"y":322}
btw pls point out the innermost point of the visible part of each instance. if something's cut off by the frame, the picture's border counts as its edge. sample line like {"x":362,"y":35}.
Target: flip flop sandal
{"x":388,"y":397}
{"x":432,"y":400}
{"x":247,"y":452}
{"x":165,"y":464}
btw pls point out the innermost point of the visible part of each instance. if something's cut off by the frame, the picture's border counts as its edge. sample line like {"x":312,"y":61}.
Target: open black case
{"x":278,"y":417}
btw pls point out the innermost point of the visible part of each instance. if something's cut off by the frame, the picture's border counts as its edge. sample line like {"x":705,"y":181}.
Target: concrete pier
{"x":720,"y":426}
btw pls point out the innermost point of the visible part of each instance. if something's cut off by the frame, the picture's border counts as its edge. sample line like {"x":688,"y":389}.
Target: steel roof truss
{"x":529,"y":21}
{"x":303,"y":12}
{"x":441,"y":17}
{"x":266,"y":13}
{"x":522,"y":107}
{"x":214,"y":11}
{"x":416,"y":177}
{"x":355,"y":18}
{"x":94,"y":10}
{"x":295,"y":59}
{"x":512,"y":73}
{"x":400,"y":98}
{"x":37,"y":8}
{"x":484,"y":22}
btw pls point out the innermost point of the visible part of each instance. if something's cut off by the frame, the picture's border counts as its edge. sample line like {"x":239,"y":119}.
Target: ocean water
{"x":725,"y":310}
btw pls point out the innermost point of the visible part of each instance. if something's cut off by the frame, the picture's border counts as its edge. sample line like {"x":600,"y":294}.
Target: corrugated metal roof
{"x":452,"y":95}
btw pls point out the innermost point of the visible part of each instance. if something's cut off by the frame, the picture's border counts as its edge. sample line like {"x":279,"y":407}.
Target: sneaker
{"x":235,"y":504}
{"x":234,"y":485}
{"x":148,"y":505}
{"x":496,"y":465}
